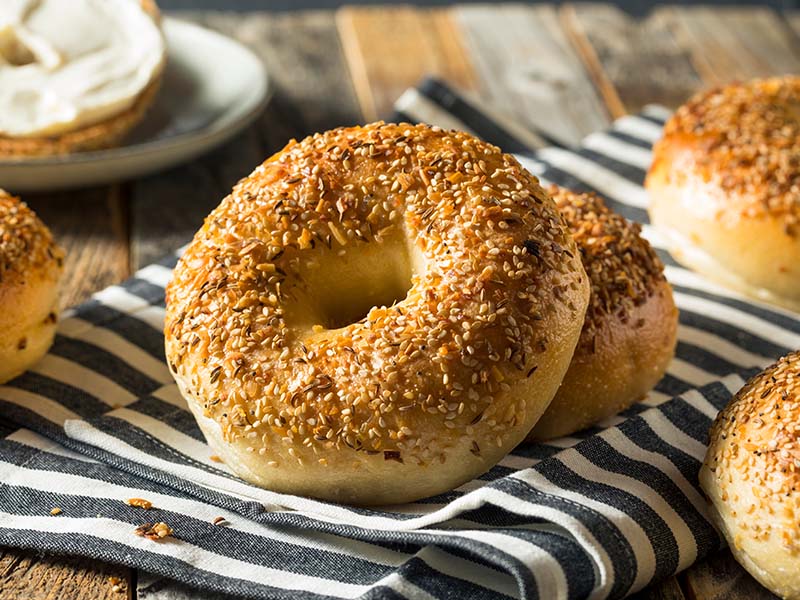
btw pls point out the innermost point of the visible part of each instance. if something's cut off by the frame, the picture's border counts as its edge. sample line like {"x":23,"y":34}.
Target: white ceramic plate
{"x":213,"y":87}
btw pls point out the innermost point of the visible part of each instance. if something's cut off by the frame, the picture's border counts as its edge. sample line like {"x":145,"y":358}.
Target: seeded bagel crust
{"x":297,"y":393}
{"x":725,"y":187}
{"x":751,"y":475}
{"x":631,"y":325}
{"x":30,"y":269}
{"x":97,"y":136}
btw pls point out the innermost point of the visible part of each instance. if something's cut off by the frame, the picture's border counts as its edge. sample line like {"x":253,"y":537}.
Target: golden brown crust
{"x":629,"y":334}
{"x":30,"y":267}
{"x":25,"y":242}
{"x":624,"y":271}
{"x":746,"y":139}
{"x":725,"y":187}
{"x":97,"y":136}
{"x":455,"y":372}
{"x":751,"y":474}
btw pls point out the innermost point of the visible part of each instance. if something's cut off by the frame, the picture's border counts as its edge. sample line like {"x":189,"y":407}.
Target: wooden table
{"x":566,"y":71}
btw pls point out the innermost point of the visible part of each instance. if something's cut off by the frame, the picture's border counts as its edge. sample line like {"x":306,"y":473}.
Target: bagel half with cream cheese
{"x":64,"y":91}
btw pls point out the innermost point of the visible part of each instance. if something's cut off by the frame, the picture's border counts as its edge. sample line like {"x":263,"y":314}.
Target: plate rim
{"x":190,"y":138}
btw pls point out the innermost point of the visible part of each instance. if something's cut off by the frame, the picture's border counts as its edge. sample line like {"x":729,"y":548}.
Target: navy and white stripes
{"x":600,"y":514}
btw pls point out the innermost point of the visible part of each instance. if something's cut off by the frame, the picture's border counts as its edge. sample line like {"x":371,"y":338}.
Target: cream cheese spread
{"x":66,"y":64}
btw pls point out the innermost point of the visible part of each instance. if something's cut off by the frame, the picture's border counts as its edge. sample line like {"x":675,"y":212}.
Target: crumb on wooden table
{"x":117,"y":585}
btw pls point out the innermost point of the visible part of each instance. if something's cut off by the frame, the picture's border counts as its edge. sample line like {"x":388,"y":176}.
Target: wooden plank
{"x":25,"y":574}
{"x":304,"y":58}
{"x":91,"y":226}
{"x":735,"y":43}
{"x":305,"y":61}
{"x":633,"y":63}
{"x":391,"y":48}
{"x":528,"y":69}
{"x":793,"y":18}
{"x":722,"y":578}
{"x":669,"y":589}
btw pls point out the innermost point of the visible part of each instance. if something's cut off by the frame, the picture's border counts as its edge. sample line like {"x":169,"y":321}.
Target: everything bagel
{"x":31,"y":265}
{"x":631,"y":325}
{"x":724,"y":187}
{"x":376,"y":314}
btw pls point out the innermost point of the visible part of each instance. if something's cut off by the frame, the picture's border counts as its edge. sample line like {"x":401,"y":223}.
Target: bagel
{"x":724,"y":187}
{"x":30,"y":269}
{"x":376,"y":314}
{"x":72,"y":127}
{"x":630,"y":331}
{"x":751,"y":475}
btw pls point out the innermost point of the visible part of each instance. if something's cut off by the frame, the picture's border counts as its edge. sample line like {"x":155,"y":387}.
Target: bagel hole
{"x":351,"y":304}
{"x":14,"y":51}
{"x":341,"y":289}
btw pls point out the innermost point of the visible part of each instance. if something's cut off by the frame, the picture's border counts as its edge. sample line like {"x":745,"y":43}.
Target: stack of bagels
{"x":379,"y":314}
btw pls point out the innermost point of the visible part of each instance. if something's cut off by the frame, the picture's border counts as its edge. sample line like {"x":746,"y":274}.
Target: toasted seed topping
{"x":623,"y":269}
{"x":25,"y":242}
{"x":117,"y":584}
{"x":154,"y":531}
{"x":747,"y":142}
{"x":499,"y":266}
{"x":756,"y":442}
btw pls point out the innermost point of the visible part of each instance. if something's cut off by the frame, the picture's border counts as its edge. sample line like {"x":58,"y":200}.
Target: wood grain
{"x":633,"y":63}
{"x":92,"y":227}
{"x":721,"y":578}
{"x":390,"y":49}
{"x":528,"y":69}
{"x":730,"y":43}
{"x":31,"y":576}
{"x":793,"y":18}
{"x":668,"y":589}
{"x":304,"y":59}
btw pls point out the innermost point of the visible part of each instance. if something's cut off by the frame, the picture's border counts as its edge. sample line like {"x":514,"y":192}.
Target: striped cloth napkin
{"x":601,"y":514}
